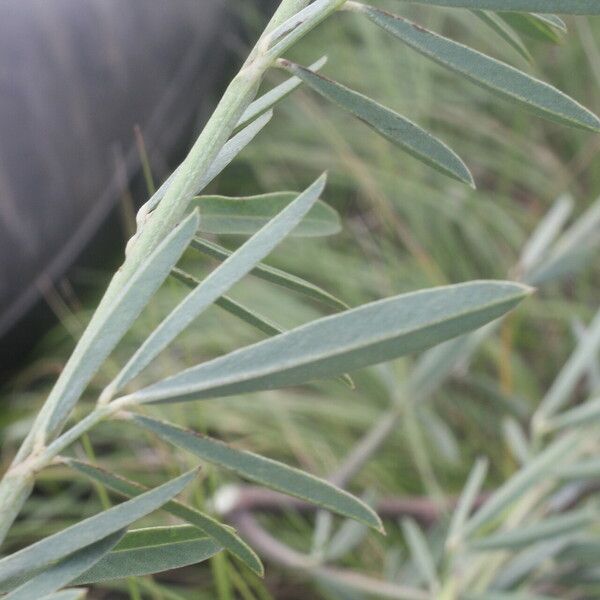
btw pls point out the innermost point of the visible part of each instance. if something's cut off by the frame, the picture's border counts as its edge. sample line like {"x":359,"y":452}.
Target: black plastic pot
{"x":76,"y":76}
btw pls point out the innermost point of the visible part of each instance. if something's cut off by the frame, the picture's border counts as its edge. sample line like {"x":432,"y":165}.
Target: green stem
{"x":35,"y":453}
{"x":14,"y":491}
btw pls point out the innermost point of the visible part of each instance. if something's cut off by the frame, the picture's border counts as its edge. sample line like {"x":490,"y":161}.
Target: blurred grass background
{"x":405,"y":228}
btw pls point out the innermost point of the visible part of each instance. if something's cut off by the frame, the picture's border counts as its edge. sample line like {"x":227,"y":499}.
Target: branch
{"x":234,"y":500}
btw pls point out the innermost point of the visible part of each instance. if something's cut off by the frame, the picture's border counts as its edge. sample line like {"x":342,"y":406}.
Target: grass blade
{"x":483,"y":70}
{"x":340,"y":343}
{"x":153,"y":550}
{"x":267,"y":472}
{"x":221,"y":534}
{"x":392,"y":126}
{"x":220,"y":281}
{"x":563,"y":7}
{"x":90,"y":530}
{"x":66,"y":570}
{"x":273,"y":275}
{"x":224,"y":215}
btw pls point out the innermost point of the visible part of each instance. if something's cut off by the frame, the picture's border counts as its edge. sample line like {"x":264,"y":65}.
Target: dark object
{"x":76,"y":76}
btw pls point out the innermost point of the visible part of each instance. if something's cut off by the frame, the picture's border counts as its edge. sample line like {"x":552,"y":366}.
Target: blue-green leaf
{"x":496,"y":76}
{"x":343,"y":342}
{"x":219,"y":282}
{"x":564,"y":7}
{"x":526,"y":535}
{"x":108,"y":326}
{"x":221,"y":534}
{"x":392,"y":126}
{"x":265,"y":471}
{"x":231,"y":306}
{"x":65,"y":571}
{"x":494,"y":22}
{"x":76,"y":537}
{"x":75,"y":594}
{"x":273,"y":275}
{"x":546,"y":28}
{"x":246,"y":215}
{"x":152,"y":550}
{"x":539,"y":467}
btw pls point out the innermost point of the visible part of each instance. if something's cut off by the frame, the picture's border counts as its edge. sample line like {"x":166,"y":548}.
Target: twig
{"x":243,"y":499}
{"x":279,"y":553}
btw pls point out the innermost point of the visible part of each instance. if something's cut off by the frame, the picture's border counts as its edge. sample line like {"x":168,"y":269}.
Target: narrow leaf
{"x":152,"y":550}
{"x":545,"y":233}
{"x":494,"y":22}
{"x":552,"y":20}
{"x":564,"y":7}
{"x":278,"y":93}
{"x":357,"y":338}
{"x":538,"y":468}
{"x":524,"y":563}
{"x":506,"y":596}
{"x":538,"y":27}
{"x":485,"y":71}
{"x":265,"y":471}
{"x":572,"y":249}
{"x":421,"y":554}
{"x":90,"y":530}
{"x":581,"y":470}
{"x":108,"y":326}
{"x":233,"y":147}
{"x":67,"y":595}
{"x":226,"y":155}
{"x":220,"y":533}
{"x":66,"y":570}
{"x":246,"y":215}
{"x":245,"y":314}
{"x":527,"y":535}
{"x":567,"y":379}
{"x":231,"y":306}
{"x":273,"y":275}
{"x":219,"y":282}
{"x":466,"y":502}
{"x":587,"y":413}
{"x":516,"y":440}
{"x":394,"y":127}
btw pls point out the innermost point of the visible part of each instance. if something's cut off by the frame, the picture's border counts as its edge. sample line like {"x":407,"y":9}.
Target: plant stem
{"x":14,"y":490}
{"x":35,"y":453}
